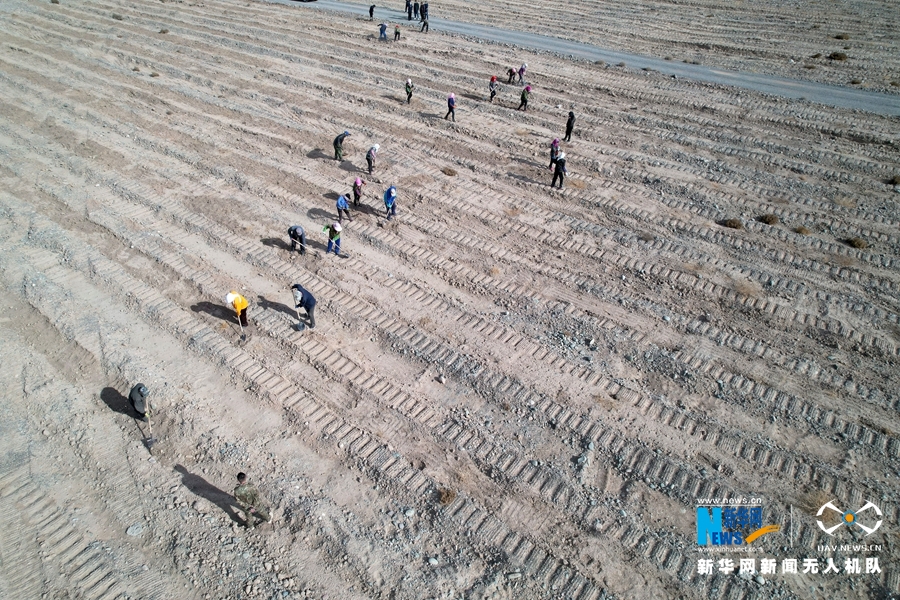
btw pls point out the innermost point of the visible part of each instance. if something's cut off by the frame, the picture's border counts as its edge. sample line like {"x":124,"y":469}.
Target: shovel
{"x":243,"y":335}
{"x":150,"y":441}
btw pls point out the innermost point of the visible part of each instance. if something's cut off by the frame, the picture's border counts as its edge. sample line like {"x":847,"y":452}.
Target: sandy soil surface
{"x":512,"y":391}
{"x":799,"y":39}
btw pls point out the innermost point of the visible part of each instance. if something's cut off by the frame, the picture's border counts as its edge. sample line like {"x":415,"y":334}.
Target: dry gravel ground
{"x":512,"y":392}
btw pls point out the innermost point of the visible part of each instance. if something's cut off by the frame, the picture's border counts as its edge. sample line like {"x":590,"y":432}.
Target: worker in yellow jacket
{"x":239,"y":304}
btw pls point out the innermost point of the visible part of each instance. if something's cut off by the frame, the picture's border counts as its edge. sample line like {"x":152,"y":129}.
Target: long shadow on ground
{"x":117,"y":402}
{"x":216,"y":310}
{"x":200,"y":487}
{"x":276,"y":306}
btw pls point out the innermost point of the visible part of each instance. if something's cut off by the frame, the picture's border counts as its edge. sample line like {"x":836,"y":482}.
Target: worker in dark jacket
{"x":451,"y":107}
{"x":339,"y":145}
{"x":297,"y":236}
{"x":305,"y":300}
{"x":554,"y":151}
{"x":560,"y":172}
{"x":492,"y":87}
{"x":371,"y":155}
{"x":138,"y":399}
{"x":523,"y":105}
{"x":569,"y":125}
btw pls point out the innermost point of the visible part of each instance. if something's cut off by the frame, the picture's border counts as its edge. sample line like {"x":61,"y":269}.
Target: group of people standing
{"x":413,"y":9}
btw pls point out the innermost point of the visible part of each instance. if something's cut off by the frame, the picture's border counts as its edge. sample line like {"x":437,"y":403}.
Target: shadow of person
{"x":276,"y":306}
{"x":528,"y":179}
{"x":216,"y":310}
{"x":428,"y":115}
{"x":365,"y":209}
{"x":331,"y":195}
{"x":276,"y":243}
{"x":204,"y":489}
{"x":117,"y":402}
{"x":317,"y":214}
{"x":349,"y":166}
{"x":319,"y":153}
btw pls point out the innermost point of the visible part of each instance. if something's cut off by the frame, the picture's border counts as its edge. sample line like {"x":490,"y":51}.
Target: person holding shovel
{"x":339,"y":146}
{"x":371,"y":155}
{"x":138,"y":399}
{"x":239,"y":304}
{"x":334,"y":238}
{"x":142,"y":406}
{"x":390,"y":202}
{"x":357,"y":191}
{"x":305,"y":300}
{"x":298,"y":238}
{"x":248,"y":497}
{"x":343,"y":208}
{"x":523,"y":105}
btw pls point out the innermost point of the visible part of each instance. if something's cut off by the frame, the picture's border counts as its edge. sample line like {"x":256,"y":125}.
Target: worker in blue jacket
{"x":390,"y":201}
{"x":343,"y":207}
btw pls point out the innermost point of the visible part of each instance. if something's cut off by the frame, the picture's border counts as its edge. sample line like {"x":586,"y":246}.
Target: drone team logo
{"x":850,"y":518}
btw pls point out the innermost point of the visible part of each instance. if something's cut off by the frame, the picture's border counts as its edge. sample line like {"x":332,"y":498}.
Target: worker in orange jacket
{"x":239,"y":304}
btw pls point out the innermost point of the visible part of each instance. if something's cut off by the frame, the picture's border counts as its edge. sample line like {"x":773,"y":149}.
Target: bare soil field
{"x":511,"y":391}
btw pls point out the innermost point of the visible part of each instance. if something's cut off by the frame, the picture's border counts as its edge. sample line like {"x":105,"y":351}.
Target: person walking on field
{"x":342,"y":208}
{"x":510,"y":74}
{"x":451,"y":107}
{"x":334,"y":238}
{"x":370,"y":157}
{"x":570,"y":124}
{"x":339,"y":146}
{"x":297,"y":236}
{"x":397,"y":29}
{"x":248,"y":498}
{"x":492,"y":86}
{"x":523,"y":105}
{"x":357,"y":191}
{"x":409,"y":90}
{"x":305,"y":300}
{"x":371,"y":12}
{"x":560,"y":172}
{"x":390,"y":202}
{"x":382,"y":32}
{"x":554,"y":152}
{"x":522,"y":72}
{"x":239,"y":304}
